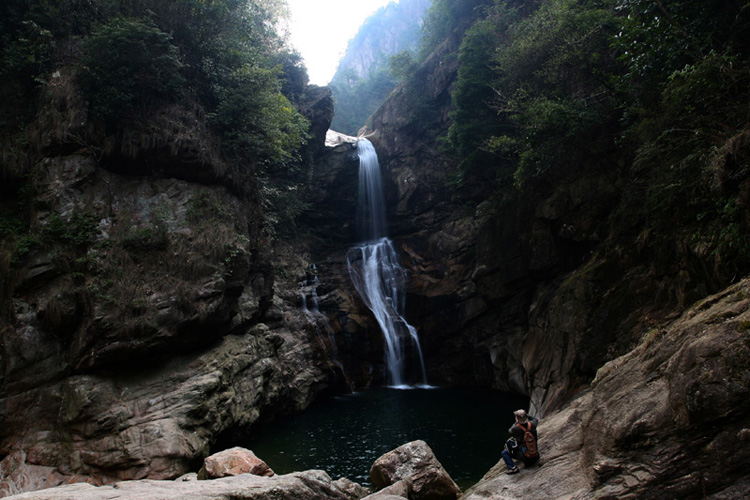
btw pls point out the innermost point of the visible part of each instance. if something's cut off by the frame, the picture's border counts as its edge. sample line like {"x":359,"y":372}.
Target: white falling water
{"x":313,"y":314}
{"x":377,"y":275}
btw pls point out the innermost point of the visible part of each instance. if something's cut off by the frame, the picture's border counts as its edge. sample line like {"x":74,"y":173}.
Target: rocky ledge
{"x":670,"y":419}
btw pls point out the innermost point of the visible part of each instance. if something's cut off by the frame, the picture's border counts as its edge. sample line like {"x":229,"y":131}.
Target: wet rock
{"x":332,"y":193}
{"x":416,"y":463}
{"x":233,"y":462}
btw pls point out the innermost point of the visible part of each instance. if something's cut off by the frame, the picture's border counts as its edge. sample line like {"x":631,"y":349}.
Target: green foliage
{"x":357,"y":98}
{"x":27,"y":54}
{"x":80,"y":229}
{"x":692,"y":159}
{"x":402,"y":65}
{"x":557,"y":130}
{"x":294,"y":73}
{"x":473,"y":116}
{"x":656,"y":38}
{"x":282,"y":204}
{"x":14,"y":233}
{"x":446,"y":18}
{"x":532,"y":89}
{"x":257,"y":121}
{"x":11,"y":226}
{"x":129,"y":64}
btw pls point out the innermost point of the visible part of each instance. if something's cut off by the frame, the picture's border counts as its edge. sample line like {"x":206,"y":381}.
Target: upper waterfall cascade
{"x":379,"y":278}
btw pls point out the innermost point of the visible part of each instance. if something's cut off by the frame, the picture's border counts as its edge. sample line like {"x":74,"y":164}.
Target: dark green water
{"x":466,"y":428}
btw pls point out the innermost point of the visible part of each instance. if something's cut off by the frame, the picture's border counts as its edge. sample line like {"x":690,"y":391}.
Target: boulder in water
{"x":416,"y":462}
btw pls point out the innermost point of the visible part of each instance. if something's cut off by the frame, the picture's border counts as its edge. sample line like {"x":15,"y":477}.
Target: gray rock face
{"x":153,"y":424}
{"x":148,"y":322}
{"x":333,"y":191}
{"x":415,"y":463}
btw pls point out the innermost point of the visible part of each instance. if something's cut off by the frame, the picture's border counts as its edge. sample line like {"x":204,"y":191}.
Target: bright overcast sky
{"x":320,"y":30}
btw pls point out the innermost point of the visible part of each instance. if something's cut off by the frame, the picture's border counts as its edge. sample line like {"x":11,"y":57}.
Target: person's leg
{"x":509,"y":461}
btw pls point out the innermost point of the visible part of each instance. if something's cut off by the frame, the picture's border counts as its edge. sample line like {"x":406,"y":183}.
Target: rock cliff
{"x":521,"y":292}
{"x":669,"y":419}
{"x":149,"y":316}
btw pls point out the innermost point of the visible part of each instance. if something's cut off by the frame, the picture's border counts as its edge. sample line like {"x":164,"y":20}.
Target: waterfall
{"x":313,"y":314}
{"x":377,"y":275}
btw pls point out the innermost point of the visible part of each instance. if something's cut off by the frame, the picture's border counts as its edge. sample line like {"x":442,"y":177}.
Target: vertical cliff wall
{"x":148,"y":314}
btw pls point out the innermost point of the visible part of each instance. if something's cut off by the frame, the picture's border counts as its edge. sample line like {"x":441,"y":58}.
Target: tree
{"x":129,"y":63}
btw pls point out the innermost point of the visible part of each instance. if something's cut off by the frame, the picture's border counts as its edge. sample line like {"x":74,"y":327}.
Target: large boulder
{"x":316,"y":104}
{"x":416,"y":463}
{"x":233,"y":462}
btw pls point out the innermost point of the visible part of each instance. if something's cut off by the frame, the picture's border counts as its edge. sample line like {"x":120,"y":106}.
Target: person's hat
{"x":520,"y":416}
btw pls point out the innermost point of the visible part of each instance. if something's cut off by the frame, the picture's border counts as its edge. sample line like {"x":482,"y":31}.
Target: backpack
{"x":530,"y":450}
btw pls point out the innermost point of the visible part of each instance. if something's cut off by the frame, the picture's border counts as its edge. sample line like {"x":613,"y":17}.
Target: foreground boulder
{"x":233,"y":462}
{"x":310,"y":485}
{"x":416,"y":463}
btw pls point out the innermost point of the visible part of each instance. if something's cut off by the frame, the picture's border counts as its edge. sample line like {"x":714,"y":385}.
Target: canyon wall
{"x":152,"y":317}
{"x":519,"y":290}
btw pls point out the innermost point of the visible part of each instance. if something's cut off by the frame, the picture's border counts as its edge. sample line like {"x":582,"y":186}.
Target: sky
{"x":320,"y":30}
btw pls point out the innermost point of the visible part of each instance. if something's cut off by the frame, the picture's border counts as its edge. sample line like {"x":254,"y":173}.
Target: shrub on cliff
{"x":129,"y":64}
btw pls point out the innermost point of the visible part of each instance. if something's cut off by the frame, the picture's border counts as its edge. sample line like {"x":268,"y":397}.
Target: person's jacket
{"x":517,"y":432}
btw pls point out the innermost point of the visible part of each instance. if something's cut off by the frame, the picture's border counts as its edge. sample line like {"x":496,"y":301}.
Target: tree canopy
{"x":655,"y":92}
{"x":133,"y":57}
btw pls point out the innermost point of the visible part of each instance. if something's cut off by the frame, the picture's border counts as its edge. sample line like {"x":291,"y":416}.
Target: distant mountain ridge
{"x":362,"y":82}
